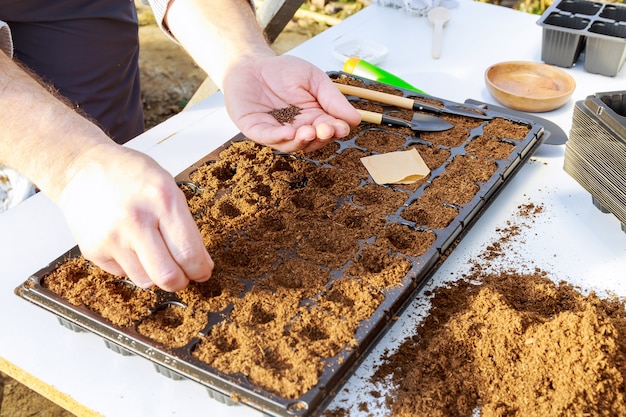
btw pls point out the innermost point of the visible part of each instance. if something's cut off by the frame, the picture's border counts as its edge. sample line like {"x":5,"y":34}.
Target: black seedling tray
{"x":179,"y":363}
{"x":596,"y":157}
{"x":571,"y":27}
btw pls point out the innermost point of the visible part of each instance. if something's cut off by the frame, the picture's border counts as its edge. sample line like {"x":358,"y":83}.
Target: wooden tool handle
{"x":370,"y":116}
{"x":398,"y":101}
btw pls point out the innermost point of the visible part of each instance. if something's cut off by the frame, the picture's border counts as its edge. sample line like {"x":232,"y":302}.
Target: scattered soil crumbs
{"x":508,"y":343}
{"x":307,"y":249}
{"x":287,"y":114}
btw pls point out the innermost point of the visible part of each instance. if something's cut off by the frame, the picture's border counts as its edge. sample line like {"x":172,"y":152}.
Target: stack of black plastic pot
{"x":595,"y":154}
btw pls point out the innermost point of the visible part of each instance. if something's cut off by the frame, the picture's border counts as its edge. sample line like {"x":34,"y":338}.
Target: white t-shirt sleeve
{"x":6,"y":42}
{"x":159,"y":9}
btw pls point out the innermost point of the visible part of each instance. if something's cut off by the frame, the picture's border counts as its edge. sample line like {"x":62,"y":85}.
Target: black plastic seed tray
{"x":597,"y":28}
{"x":304,"y":173}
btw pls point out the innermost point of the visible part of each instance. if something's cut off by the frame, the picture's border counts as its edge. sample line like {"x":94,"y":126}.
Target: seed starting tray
{"x":182,"y":362}
{"x":573,"y":26}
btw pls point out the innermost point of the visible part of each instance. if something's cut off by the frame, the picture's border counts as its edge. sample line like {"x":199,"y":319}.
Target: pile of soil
{"x":512,"y":343}
{"x":500,"y":342}
{"x":306,"y":248}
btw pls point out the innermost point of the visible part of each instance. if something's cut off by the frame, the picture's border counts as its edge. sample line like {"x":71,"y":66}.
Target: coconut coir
{"x":305,"y":249}
{"x":509,"y":343}
{"x":512,"y":344}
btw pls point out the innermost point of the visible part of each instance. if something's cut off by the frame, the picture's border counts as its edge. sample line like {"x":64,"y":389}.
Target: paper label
{"x":402,"y":167}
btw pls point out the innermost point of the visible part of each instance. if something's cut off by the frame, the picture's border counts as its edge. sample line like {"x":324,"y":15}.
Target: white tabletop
{"x":571,"y":238}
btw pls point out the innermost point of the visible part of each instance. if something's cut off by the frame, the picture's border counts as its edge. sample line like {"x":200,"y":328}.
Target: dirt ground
{"x":169,"y":79}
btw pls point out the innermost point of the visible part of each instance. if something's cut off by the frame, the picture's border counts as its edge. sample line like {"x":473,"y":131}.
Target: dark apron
{"x":88,"y":50}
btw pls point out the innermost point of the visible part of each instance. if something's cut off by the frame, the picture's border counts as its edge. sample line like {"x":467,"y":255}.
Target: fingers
{"x":167,"y":262}
{"x":335,"y":129}
{"x":185,"y":247}
{"x":168,"y":252}
{"x":306,"y":137}
{"x":168,"y":267}
{"x":310,"y":138}
{"x":143,"y":228}
{"x":127,"y":264}
{"x":109,"y":265}
{"x":336,"y":105}
{"x":325,"y":132}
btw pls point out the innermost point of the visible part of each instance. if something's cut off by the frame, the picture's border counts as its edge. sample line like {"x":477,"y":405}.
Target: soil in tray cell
{"x":405,"y":239}
{"x":461,"y":131}
{"x":377,"y":268}
{"x":492,"y":143}
{"x":119,"y":301}
{"x":173,"y":324}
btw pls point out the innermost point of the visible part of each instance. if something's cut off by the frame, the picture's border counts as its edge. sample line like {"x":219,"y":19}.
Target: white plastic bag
{"x":417,"y":7}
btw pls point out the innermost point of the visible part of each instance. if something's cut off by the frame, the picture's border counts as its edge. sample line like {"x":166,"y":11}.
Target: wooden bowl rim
{"x":509,"y":70}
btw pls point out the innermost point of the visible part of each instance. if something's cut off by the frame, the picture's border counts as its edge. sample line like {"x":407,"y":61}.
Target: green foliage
{"x":528,"y":6}
{"x":533,"y":6}
{"x":342,"y":8}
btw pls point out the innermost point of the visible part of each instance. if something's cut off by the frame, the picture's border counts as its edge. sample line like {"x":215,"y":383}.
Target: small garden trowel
{"x":412,"y":104}
{"x":419,"y":123}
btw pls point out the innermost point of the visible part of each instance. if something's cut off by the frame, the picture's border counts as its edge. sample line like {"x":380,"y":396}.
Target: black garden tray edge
{"x":229,"y":389}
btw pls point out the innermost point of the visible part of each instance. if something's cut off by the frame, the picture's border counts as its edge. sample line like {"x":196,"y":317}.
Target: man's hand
{"x":253,"y":87}
{"x":131,"y":219}
{"x":226,"y":41}
{"x":125,"y":211}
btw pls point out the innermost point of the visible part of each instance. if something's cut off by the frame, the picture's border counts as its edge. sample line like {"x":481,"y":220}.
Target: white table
{"x":571,"y":238}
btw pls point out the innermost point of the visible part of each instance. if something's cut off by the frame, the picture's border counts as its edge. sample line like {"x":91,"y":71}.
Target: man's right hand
{"x":130,"y":218}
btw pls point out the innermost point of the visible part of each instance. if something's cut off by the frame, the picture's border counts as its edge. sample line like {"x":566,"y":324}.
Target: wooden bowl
{"x":529,"y":86}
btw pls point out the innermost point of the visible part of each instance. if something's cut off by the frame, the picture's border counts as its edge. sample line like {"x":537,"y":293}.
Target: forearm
{"x":217,"y":33}
{"x":224,"y":38}
{"x":126,"y":212}
{"x":41,"y":137}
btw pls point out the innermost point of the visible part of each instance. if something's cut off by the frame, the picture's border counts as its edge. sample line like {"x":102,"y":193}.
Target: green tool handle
{"x":362,"y":68}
